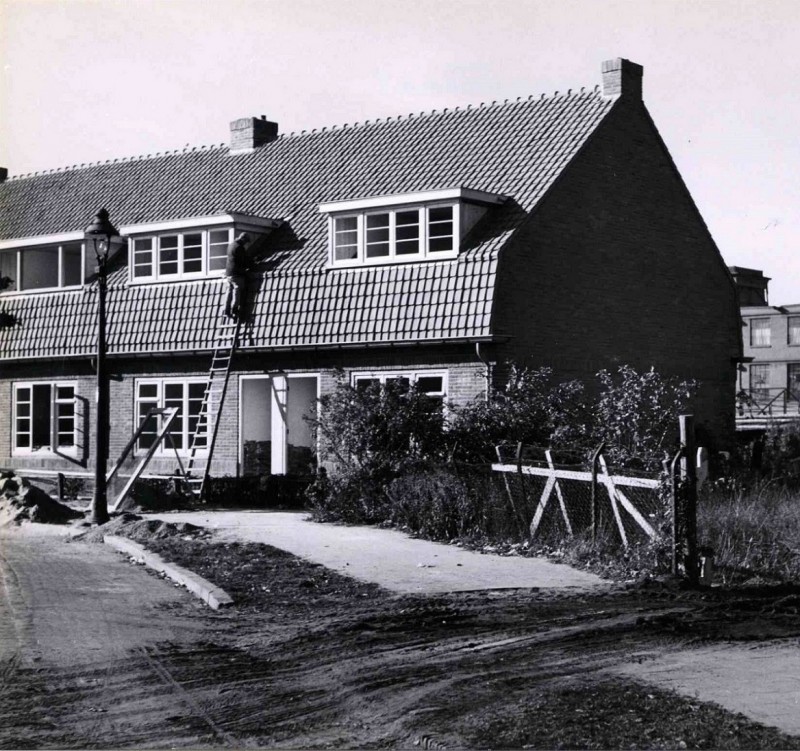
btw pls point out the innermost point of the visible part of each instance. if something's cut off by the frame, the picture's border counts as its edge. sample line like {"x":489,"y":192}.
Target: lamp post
{"x":101,"y":236}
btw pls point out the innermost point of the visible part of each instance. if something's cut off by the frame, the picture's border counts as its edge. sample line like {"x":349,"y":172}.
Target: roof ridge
{"x":583,"y":91}
{"x":118,"y":160}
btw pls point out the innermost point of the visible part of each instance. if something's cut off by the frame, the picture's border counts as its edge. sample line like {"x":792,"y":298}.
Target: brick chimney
{"x":249,"y":133}
{"x":3,"y":174}
{"x":622,"y":78}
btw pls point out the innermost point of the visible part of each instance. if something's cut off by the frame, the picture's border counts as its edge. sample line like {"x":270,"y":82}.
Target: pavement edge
{"x":209,"y":593}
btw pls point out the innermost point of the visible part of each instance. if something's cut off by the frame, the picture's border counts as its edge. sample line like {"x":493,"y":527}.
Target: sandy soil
{"x":312,"y":659}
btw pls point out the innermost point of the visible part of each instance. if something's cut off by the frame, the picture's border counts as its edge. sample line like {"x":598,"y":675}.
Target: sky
{"x":90,"y":80}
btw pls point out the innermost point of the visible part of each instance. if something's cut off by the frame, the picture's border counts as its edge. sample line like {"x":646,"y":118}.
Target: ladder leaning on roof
{"x":204,"y":435}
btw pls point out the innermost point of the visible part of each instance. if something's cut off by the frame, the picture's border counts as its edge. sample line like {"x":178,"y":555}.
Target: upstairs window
{"x":179,"y":255}
{"x":794,"y":329}
{"x":395,"y":235}
{"x":422,"y":226}
{"x":43,"y":267}
{"x":760,"y":332}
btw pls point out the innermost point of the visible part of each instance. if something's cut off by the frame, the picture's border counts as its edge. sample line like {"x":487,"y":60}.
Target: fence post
{"x":689,"y":477}
{"x":595,"y":461}
{"x":676,"y":511}
{"x":60,"y":478}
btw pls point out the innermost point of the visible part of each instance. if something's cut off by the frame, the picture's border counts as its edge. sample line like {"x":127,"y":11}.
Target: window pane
{"x":42,"y":420}
{"x":192,"y":252}
{"x":148,"y":390}
{"x":143,"y":257}
{"x":377,"y":235}
{"x":441,"y":214}
{"x":794,"y":379}
{"x":364,"y":383}
{"x":218,"y":240}
{"x":168,"y":254}
{"x":439,"y":244}
{"x":65,"y":392}
{"x":794,"y":330}
{"x":148,"y":436}
{"x":407,"y":232}
{"x":430,"y":384}
{"x":8,"y":266}
{"x":760,"y":332}
{"x":39,"y":268}
{"x":345,"y":238}
{"x":71,"y":257}
{"x":440,"y":229}
{"x":759,"y":380}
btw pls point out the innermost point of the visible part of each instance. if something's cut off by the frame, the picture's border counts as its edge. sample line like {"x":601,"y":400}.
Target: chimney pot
{"x":622,"y":78}
{"x":249,"y":133}
{"x":3,"y":174}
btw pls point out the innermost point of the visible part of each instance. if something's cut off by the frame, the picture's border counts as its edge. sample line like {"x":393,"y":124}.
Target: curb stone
{"x":209,"y":593}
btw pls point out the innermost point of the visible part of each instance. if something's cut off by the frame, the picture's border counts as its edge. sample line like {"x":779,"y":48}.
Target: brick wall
{"x":466,"y":381}
{"x":616,"y":266}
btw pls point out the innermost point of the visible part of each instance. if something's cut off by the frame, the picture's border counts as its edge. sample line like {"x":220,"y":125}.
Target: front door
{"x":275,"y":437}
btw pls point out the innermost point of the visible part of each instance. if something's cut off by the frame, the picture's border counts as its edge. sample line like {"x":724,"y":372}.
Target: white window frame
{"x":155,"y":239}
{"x":54,"y":448}
{"x":412,"y":375}
{"x":424,"y":253}
{"x":165,"y":448}
{"x":59,"y":247}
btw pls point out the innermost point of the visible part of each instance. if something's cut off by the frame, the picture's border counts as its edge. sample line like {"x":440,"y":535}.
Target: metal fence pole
{"x":594,"y":510}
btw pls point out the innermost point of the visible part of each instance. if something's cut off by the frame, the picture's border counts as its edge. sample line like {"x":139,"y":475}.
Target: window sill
{"x":40,"y":291}
{"x":392,"y":261}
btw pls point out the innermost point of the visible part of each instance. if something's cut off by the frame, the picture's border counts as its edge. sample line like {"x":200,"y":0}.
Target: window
{"x":793,"y":380}
{"x":179,"y":255}
{"x":794,"y":329}
{"x":44,"y":417}
{"x":760,"y":332}
{"x":759,"y":380}
{"x":432,"y":383}
{"x":187,"y":396}
{"x":402,"y":234}
{"x":43,"y":267}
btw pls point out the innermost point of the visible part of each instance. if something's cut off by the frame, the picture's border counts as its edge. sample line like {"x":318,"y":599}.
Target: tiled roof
{"x":515,"y":149}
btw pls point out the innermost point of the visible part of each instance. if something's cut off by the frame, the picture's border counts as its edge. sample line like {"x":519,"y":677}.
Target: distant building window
{"x":44,"y":417}
{"x":179,"y":255}
{"x":793,"y":379}
{"x":759,"y":380}
{"x":402,"y":234}
{"x":794,"y":329}
{"x":187,"y":396}
{"x":760,"y":332}
{"x":43,"y":267}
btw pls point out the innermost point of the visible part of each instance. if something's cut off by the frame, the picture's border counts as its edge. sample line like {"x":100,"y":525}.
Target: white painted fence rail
{"x":612,"y":484}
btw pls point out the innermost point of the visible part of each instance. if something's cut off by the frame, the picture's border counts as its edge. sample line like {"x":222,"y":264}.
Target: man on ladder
{"x":236,"y":266}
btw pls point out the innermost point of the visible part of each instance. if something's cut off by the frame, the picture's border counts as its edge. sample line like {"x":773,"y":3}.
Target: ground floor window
{"x":793,"y":375}
{"x":187,"y":396}
{"x":44,"y":417}
{"x":759,"y":381}
{"x":430,"y":382}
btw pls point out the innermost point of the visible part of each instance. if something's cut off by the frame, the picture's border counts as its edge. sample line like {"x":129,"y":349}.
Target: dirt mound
{"x":22,"y":502}
{"x":140,"y":530}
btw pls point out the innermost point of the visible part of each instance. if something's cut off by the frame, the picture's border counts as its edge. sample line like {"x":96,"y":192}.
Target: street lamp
{"x":102,"y":237}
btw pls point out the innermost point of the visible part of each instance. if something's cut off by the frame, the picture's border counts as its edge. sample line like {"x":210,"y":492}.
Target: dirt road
{"x":311,"y":659}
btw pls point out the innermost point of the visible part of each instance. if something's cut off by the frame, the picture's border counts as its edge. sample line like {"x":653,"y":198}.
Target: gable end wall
{"x":616,"y":266}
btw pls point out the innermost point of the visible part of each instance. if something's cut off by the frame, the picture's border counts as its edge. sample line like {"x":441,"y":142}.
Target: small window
{"x":760,"y":332}
{"x":794,"y":329}
{"x":44,"y":417}
{"x":440,"y":229}
{"x":218,"y":241}
{"x":187,"y":397}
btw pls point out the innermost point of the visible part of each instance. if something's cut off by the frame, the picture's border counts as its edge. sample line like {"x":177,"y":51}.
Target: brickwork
{"x":617,"y":267}
{"x":466,"y":381}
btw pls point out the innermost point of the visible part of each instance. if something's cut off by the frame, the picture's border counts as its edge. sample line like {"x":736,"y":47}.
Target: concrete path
{"x":761,"y":681}
{"x":389,"y":558}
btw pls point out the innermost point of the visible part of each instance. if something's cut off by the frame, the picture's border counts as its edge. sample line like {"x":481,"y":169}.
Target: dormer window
{"x":398,"y":229}
{"x":42,"y":267}
{"x":188,"y":248}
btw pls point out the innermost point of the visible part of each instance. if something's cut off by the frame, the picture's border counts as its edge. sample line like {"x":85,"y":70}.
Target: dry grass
{"x":754,"y":531}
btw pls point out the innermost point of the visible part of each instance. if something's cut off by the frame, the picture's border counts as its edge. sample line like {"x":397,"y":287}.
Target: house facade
{"x":546,"y":231}
{"x":770,"y":378}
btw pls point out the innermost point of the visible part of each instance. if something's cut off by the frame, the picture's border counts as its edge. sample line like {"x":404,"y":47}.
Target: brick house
{"x":549,"y":231}
{"x":770,"y":379}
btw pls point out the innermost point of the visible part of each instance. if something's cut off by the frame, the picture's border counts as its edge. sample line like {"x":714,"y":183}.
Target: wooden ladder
{"x":211,"y":407}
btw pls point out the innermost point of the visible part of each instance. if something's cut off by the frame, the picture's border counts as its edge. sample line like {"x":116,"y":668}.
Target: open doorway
{"x":275,"y":439}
